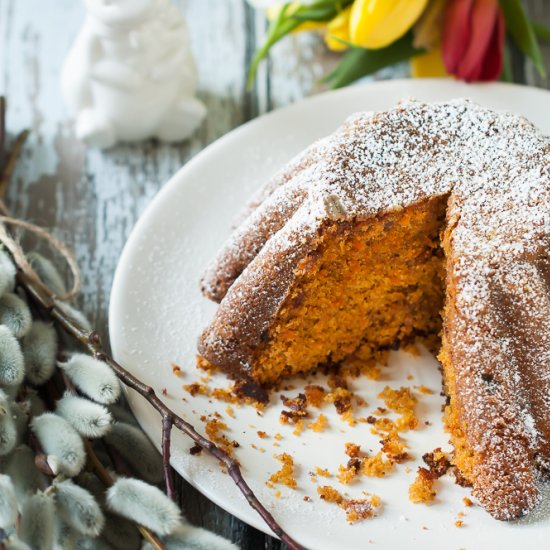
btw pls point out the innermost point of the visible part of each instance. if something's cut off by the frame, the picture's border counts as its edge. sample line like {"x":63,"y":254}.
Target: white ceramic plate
{"x":157,"y":312}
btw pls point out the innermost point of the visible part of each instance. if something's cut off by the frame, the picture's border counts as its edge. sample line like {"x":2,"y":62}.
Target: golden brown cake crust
{"x":495,"y":169}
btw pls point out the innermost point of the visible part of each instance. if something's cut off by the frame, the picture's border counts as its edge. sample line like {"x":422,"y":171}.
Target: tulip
{"x":429,"y":64}
{"x":473,"y":39}
{"x":427,"y":31}
{"x":338,"y":31}
{"x":273,"y":10}
{"x":375,"y":24}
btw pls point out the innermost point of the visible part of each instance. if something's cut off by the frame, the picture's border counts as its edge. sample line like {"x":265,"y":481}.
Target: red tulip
{"x":473,"y":39}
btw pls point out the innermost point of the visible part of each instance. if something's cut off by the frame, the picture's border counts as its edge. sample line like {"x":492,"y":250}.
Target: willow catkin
{"x":20,"y":417}
{"x":8,"y":429}
{"x":39,"y":347}
{"x":96,"y":543}
{"x":78,"y":508}
{"x":144,"y":504}
{"x":92,"y":377}
{"x":19,"y":465}
{"x":188,"y":537}
{"x":136,"y":449}
{"x":47,"y":272}
{"x":8,"y":503}
{"x":65,"y":536}
{"x":12,"y":365}
{"x":37,"y":522}
{"x":15,"y":314}
{"x":86,"y":417}
{"x":7,"y":273}
{"x":58,"y":438}
{"x":14,"y":543}
{"x":120,"y":532}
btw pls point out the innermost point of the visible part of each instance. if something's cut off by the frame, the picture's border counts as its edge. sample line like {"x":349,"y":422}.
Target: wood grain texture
{"x":92,"y":199}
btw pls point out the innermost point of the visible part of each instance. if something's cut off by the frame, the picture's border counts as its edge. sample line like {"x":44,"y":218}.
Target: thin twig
{"x":167,"y":424}
{"x":92,"y":342}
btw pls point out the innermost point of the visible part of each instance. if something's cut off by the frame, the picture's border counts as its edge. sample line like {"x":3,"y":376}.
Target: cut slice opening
{"x":369,"y":286}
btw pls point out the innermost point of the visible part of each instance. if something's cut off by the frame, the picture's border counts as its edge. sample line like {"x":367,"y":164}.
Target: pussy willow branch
{"x":104,"y":475}
{"x":92,"y":342}
{"x":45,"y":301}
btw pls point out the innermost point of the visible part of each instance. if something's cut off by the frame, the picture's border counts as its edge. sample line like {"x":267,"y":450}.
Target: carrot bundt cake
{"x":424,"y":221}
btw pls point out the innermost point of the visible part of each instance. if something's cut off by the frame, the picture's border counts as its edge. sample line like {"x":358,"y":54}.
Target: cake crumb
{"x":422,"y":488}
{"x":467,"y":502}
{"x":356,"y":509}
{"x":376,"y":466}
{"x":315,"y":395}
{"x":230,"y":412}
{"x":320,"y":424}
{"x":285,"y":475}
{"x":262,"y":435}
{"x":213,"y":428}
{"x":176,"y":369}
{"x":322,"y":472}
{"x":424,"y":389}
{"x":403,"y":402}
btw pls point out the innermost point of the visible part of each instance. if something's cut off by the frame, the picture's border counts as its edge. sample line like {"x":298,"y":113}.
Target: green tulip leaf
{"x":359,"y":62}
{"x":522,"y":32}
{"x":541,"y":32}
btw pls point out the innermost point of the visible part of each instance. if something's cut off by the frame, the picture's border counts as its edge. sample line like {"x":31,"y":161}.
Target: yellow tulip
{"x":428,"y":64}
{"x":428,"y":29}
{"x":273,"y":11}
{"x":338,"y":28}
{"x":375,"y":24}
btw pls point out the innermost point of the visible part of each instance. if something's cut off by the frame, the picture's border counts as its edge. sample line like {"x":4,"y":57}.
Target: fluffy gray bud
{"x":8,"y":503}
{"x":12,"y":365}
{"x":19,"y":465}
{"x":120,"y":533}
{"x":121,"y":413}
{"x":7,"y":273}
{"x":36,"y":405}
{"x":20,"y":417}
{"x":8,"y":429}
{"x":136,"y":449}
{"x":15,"y":314}
{"x":14,"y":543}
{"x":92,"y":377}
{"x":65,"y":536}
{"x":86,"y":417}
{"x":37,"y":522}
{"x":39,"y":349}
{"x":144,"y":504}
{"x":93,"y":485}
{"x":188,"y":537}
{"x":47,"y":272}
{"x":74,"y":314}
{"x":58,"y":438}
{"x":79,"y":509}
{"x":88,"y":543}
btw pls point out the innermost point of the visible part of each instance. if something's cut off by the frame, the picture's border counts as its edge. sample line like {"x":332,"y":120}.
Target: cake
{"x":427,"y":221}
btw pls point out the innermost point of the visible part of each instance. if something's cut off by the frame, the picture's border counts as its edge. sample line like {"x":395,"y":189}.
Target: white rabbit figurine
{"x":130,"y":74}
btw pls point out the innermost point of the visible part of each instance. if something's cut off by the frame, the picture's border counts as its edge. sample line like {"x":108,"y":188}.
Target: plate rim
{"x":115,"y":317}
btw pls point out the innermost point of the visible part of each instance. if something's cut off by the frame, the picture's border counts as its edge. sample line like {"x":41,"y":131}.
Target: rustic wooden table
{"x":91,"y":199}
